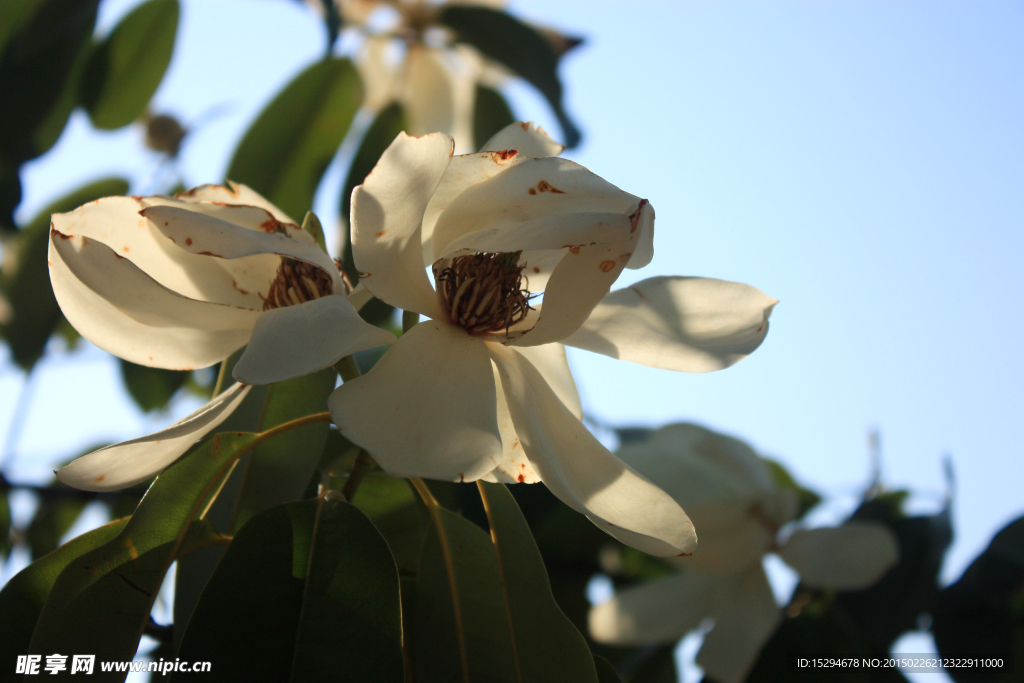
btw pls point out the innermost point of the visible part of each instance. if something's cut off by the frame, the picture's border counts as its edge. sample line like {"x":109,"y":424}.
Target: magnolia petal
{"x":427,"y":408}
{"x":660,"y":611}
{"x":527,"y":139}
{"x":849,"y":557}
{"x":567,"y":232}
{"x":377,"y":74}
{"x":688,"y":324}
{"x":583,"y":473}
{"x":728,"y":550}
{"x":643,"y":239}
{"x":511,"y":466}
{"x":198,"y":233}
{"x":428,"y":91}
{"x":115,"y":221}
{"x":132,"y":462}
{"x":529,"y":189}
{"x":139,"y":296}
{"x":177,"y":342}
{"x":578,"y":284}
{"x":745,"y":616}
{"x":359,"y":297}
{"x":386,"y":213}
{"x":464,"y":171}
{"x":553,"y":365}
{"x":297,"y":340}
{"x":233,"y":193}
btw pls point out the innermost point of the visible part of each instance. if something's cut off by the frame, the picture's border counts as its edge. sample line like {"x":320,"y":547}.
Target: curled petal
{"x":125,"y":312}
{"x":745,"y":616}
{"x":386,"y":213}
{"x":132,"y":462}
{"x":427,"y":408}
{"x":198,"y":233}
{"x":529,"y":140}
{"x":660,"y":611}
{"x":512,"y":466}
{"x":567,"y":233}
{"x":583,"y":473}
{"x":233,"y":193}
{"x":848,"y":557}
{"x":296,"y":340}
{"x":688,"y":324}
{"x":643,"y":238}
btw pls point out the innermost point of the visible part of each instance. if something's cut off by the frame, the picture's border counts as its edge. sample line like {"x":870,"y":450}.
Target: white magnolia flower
{"x":730,"y":495}
{"x":483,"y":389}
{"x":184,"y":282}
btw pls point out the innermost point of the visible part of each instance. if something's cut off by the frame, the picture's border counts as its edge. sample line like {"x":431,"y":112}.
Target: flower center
{"x":483,"y":293}
{"x":297,"y":282}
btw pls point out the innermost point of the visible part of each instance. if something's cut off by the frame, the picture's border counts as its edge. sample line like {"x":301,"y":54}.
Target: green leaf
{"x":546,"y":645}
{"x":5,"y":523}
{"x":491,"y":114}
{"x":390,"y":505}
{"x":125,"y":69}
{"x":606,"y":673}
{"x":42,"y":45}
{"x":151,"y":388}
{"x":286,"y":151}
{"x":278,"y":470}
{"x":518,"y":46}
{"x":311,"y":588}
{"x":26,"y":284}
{"x":58,"y":509}
{"x":462,"y":630}
{"x":100,"y":603}
{"x":983,"y":612}
{"x":22,"y":599}
{"x":806,"y":498}
{"x":390,"y":121}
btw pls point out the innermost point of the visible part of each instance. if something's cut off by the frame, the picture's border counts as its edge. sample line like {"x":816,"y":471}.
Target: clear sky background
{"x":863,"y":162}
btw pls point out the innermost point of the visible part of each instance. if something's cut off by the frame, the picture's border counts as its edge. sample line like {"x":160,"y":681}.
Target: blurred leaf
{"x":5,"y":523}
{"x":115,"y":584}
{"x":13,"y":15}
{"x":35,"y":67}
{"x":982,"y":614}
{"x":806,"y":499}
{"x":151,"y":388}
{"x":461,"y":630}
{"x":312,"y":588}
{"x":22,"y":599}
{"x":34,"y":310}
{"x":54,"y":516}
{"x":892,"y":606}
{"x":632,"y":435}
{"x":606,"y":673}
{"x":278,"y":470}
{"x":286,"y":151}
{"x":546,"y":645}
{"x":655,"y":664}
{"x":518,"y":46}
{"x":491,"y":114}
{"x":125,"y":69}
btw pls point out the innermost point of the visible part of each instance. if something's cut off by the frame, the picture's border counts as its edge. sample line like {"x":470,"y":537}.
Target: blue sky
{"x":863,"y":162}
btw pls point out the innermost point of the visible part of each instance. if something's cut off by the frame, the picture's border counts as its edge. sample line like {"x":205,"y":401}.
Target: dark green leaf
{"x":491,"y":114}
{"x":22,"y":599}
{"x":125,"y":69}
{"x":286,"y":151}
{"x":54,"y":516}
{"x":518,"y":46}
{"x":278,"y":470}
{"x":546,"y":645}
{"x":339,"y":454}
{"x":385,"y":128}
{"x":34,"y":310}
{"x":606,"y":673}
{"x":389,"y":503}
{"x":151,"y":388}
{"x":982,"y":614}
{"x":655,"y":664}
{"x":5,"y":524}
{"x":35,"y":69}
{"x":311,"y":588}
{"x":115,"y":584}
{"x":806,"y":499}
{"x":462,"y":631}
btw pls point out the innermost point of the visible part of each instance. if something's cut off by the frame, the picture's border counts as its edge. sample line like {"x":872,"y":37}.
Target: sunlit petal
{"x":854,"y":555}
{"x":660,"y":611}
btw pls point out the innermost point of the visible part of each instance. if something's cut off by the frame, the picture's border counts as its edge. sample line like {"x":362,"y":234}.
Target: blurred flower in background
{"x":740,"y":511}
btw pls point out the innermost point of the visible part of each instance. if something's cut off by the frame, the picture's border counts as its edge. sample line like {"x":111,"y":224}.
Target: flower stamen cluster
{"x":297,"y":282}
{"x":482,"y":293}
